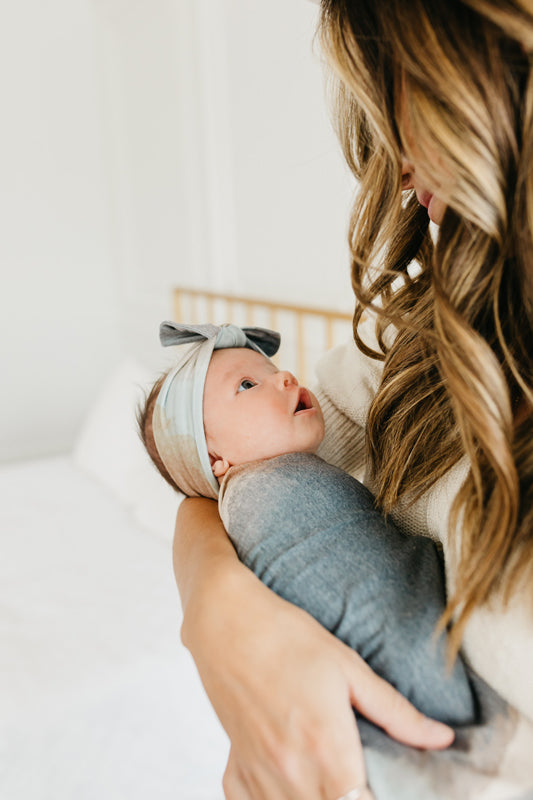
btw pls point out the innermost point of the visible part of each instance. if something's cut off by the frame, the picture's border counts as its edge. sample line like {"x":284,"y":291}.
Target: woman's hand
{"x":282,"y":686}
{"x":290,"y":719}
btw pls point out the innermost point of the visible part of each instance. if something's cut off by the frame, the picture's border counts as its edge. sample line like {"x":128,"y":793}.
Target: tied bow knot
{"x":226,"y":336}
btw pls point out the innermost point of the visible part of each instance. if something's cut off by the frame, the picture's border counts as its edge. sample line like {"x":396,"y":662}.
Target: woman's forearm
{"x":215,"y":586}
{"x":204,"y":559}
{"x":200,"y":542}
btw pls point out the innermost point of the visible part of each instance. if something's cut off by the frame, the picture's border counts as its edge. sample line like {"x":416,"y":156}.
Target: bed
{"x":98,"y":697}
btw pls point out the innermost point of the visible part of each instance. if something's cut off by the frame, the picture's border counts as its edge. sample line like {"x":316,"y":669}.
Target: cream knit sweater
{"x":498,"y":641}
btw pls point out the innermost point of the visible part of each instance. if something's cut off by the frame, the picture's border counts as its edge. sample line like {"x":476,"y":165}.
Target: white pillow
{"x":109,"y":449}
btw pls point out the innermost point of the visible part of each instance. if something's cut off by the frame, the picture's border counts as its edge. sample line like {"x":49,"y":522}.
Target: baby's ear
{"x":219,"y":466}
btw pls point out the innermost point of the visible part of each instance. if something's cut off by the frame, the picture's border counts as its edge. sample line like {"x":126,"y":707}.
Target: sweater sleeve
{"x":344,"y":441}
{"x":347,"y":382}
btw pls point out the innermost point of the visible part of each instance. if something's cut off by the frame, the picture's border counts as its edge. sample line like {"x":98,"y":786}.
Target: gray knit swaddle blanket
{"x":311,"y":533}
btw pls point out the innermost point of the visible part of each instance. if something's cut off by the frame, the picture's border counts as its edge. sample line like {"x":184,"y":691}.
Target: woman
{"x":437,"y":98}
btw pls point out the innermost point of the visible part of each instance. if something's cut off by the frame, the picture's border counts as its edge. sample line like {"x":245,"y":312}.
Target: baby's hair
{"x":144,"y":416}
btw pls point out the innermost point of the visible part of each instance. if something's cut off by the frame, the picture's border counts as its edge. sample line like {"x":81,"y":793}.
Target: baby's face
{"x":253,"y":411}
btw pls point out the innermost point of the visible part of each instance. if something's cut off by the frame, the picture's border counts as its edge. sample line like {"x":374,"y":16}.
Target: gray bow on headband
{"x":261,"y":339}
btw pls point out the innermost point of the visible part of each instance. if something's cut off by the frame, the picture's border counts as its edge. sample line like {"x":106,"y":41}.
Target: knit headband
{"x":178,"y":423}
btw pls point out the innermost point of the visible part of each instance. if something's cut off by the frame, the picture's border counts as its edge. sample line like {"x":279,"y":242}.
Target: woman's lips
{"x":425,"y":199}
{"x":433,"y":206}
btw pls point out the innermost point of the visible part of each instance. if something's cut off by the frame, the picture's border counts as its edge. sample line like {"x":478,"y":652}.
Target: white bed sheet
{"x":98,"y":698}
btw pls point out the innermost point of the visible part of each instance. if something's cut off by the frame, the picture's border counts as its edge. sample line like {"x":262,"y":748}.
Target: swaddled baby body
{"x":311,"y":533}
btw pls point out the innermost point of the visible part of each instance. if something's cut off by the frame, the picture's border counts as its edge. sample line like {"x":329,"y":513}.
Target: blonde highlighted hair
{"x":458,"y":377}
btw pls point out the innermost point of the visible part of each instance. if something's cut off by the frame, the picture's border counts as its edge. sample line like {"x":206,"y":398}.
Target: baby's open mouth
{"x":304,"y":401}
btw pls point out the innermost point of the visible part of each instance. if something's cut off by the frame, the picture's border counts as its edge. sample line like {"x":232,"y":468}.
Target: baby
{"x":225,"y":423}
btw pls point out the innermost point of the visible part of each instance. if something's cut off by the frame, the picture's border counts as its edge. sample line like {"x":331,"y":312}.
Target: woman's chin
{"x":436,"y":209}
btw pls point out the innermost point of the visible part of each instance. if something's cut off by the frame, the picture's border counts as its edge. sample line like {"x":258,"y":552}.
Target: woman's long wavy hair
{"x":458,"y":377}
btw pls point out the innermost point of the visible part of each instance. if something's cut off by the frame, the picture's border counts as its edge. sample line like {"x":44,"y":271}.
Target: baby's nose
{"x":285,"y":379}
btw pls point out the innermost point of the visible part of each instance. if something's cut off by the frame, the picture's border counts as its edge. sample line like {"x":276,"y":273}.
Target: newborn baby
{"x":225,"y":423}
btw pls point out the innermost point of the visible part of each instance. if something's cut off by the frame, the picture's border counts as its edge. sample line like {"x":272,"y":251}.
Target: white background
{"x":146,"y":144}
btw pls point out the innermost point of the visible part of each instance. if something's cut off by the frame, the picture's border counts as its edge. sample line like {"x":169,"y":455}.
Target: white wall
{"x":148,"y":73}
{"x":290,"y":183}
{"x":225,"y":169}
{"x":147,"y":143}
{"x":58,"y":334}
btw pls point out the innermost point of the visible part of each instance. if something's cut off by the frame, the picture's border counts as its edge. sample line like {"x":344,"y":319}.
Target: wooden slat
{"x":273,"y":317}
{"x":249,"y":310}
{"x":268,"y":304}
{"x":300,"y":343}
{"x":329,"y":331}
{"x":293,"y":318}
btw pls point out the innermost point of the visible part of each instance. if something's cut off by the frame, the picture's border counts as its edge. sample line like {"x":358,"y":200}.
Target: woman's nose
{"x":407,"y":175}
{"x":285,"y":379}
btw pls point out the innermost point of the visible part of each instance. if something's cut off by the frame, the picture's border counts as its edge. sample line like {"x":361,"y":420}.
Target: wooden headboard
{"x":306,"y":332}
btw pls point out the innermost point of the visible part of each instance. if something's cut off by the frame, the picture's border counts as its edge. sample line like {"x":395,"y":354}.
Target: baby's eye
{"x":246,"y":383}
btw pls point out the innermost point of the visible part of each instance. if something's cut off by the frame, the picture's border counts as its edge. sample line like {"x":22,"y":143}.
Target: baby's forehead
{"x":230,"y":359}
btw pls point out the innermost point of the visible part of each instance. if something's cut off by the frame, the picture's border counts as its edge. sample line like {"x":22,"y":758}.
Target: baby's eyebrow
{"x":240,"y":372}
{"x":235,"y":373}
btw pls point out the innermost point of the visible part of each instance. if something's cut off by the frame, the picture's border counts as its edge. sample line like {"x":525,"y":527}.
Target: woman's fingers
{"x":379,"y":702}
